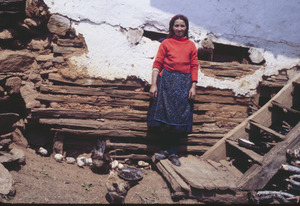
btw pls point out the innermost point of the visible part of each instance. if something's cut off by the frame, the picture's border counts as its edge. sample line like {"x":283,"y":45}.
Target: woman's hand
{"x":153,"y":91}
{"x":192,"y":92}
{"x":153,"y":88}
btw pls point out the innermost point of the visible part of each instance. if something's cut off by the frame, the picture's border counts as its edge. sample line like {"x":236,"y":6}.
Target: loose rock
{"x":13,"y":85}
{"x":6,"y":181}
{"x":59,"y":25}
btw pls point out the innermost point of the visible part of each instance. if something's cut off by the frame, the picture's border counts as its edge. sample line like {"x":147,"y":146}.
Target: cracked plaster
{"x":104,"y":25}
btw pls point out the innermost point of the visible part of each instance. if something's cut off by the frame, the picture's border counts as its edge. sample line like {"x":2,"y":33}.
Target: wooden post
{"x":58,"y":143}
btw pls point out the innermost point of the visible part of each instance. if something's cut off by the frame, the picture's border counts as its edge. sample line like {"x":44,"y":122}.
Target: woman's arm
{"x":153,"y":88}
{"x":192,"y":92}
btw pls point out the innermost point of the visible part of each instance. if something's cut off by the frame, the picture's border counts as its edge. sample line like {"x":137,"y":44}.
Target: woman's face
{"x":179,"y":28}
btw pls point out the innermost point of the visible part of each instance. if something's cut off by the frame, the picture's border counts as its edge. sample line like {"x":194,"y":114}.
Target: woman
{"x":173,"y":88}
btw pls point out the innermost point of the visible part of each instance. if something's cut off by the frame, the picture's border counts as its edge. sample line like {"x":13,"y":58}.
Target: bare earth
{"x":43,"y":180}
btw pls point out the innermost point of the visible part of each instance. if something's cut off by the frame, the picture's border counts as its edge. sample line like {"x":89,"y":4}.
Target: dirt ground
{"x":42,"y":180}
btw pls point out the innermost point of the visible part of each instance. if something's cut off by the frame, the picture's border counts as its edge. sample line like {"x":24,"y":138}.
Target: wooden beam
{"x":282,"y":137}
{"x":285,"y":107}
{"x":95,"y":124}
{"x":90,"y":91}
{"x":131,"y":115}
{"x":95,"y":82}
{"x":251,"y":154}
{"x":100,"y":101}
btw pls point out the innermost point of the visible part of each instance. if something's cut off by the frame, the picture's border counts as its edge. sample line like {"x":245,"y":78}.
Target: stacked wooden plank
{"x":205,"y":180}
{"x":117,"y":112}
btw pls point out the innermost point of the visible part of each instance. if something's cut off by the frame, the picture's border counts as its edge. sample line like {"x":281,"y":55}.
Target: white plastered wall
{"x":271,"y":26}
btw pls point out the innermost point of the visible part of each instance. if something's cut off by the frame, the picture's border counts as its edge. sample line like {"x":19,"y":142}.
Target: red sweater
{"x":175,"y":54}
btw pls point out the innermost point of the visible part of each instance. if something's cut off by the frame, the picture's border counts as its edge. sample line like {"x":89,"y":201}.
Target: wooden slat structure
{"x":229,"y":168}
{"x":116,"y":111}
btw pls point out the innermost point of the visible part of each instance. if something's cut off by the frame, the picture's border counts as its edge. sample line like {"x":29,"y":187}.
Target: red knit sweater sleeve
{"x":160,"y":57}
{"x":194,"y":65}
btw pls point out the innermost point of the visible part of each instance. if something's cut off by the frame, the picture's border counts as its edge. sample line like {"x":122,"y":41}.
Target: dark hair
{"x":172,"y":22}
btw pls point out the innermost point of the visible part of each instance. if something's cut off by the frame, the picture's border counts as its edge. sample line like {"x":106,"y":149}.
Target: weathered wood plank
{"x":192,"y":173}
{"x":95,"y":82}
{"x":219,"y":99}
{"x":224,"y":174}
{"x":95,"y":124}
{"x":172,"y":173}
{"x":116,"y":133}
{"x":154,"y":148}
{"x":91,"y":91}
{"x":251,"y":154}
{"x":220,"y":107}
{"x":214,"y":175}
{"x":131,"y":115}
{"x":233,"y":170}
{"x":144,"y":157}
{"x":228,"y":66}
{"x":173,"y":183}
{"x":257,"y":178}
{"x":100,"y":101}
{"x":266,"y":129}
{"x":285,"y":107}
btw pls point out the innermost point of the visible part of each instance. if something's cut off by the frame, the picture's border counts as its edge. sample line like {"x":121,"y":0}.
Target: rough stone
{"x":70,"y":43}
{"x":4,"y":143}
{"x":44,"y":58}
{"x":134,"y":35}
{"x":15,"y":61}
{"x":29,"y":95}
{"x":39,"y":43}
{"x":255,"y":56}
{"x":64,"y":50}
{"x":6,"y":34}
{"x":13,"y":85}
{"x":58,"y":59}
{"x":36,"y":8}
{"x":117,"y":188}
{"x":18,"y":155}
{"x":19,"y":138}
{"x":59,"y":25}
{"x":6,"y":181}
{"x":33,"y":22}
{"x":29,"y":30}
{"x":207,"y":43}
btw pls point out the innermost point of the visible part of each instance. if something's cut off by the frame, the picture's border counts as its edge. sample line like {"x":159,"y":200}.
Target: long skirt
{"x":172,"y":107}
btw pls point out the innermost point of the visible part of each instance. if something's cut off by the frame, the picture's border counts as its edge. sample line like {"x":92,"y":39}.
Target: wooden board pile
{"x":284,"y":188}
{"x":116,"y":111}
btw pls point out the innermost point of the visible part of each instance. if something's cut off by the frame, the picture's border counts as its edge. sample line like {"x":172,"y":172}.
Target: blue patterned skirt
{"x":172,"y":107}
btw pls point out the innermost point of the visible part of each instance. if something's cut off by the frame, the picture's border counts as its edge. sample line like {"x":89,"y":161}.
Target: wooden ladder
{"x":257,"y":147}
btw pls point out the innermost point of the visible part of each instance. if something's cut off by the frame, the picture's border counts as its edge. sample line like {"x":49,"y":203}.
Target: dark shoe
{"x":162,"y":155}
{"x":174,"y":159}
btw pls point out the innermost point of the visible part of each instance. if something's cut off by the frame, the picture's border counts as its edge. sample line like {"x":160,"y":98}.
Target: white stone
{"x":114,"y":164}
{"x":143,"y":164}
{"x":58,"y":157}
{"x":70,"y":160}
{"x":42,"y":151}
{"x":80,"y":162}
{"x":120,"y":166}
{"x":89,"y":161}
{"x":255,"y":55}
